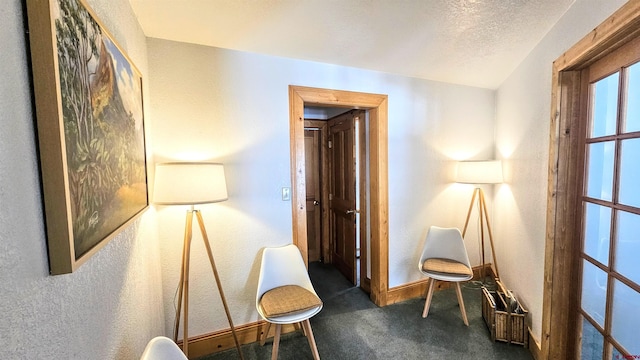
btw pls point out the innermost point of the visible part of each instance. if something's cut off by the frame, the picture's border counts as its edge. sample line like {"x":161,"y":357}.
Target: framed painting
{"x":90,"y":128}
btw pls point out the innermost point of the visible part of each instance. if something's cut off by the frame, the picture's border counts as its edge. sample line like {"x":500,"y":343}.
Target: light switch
{"x":286,"y":194}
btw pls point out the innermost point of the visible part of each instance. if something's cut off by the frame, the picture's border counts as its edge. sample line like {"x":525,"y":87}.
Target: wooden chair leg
{"x":427,"y":301}
{"x":276,"y":342}
{"x":265,"y":333}
{"x":312,"y":342}
{"x":300,"y":326}
{"x":461,"y":303}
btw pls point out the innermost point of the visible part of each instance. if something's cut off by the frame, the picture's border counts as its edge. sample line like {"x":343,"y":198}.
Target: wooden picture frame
{"x":90,"y":127}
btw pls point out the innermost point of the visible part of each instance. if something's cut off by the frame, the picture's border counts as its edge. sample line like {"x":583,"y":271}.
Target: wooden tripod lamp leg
{"x":477,"y":192}
{"x":181,"y":284}
{"x":215,"y":274}
{"x":481,"y":217}
{"x":184,"y":284}
{"x":486,"y":218}
{"x":473,"y":201}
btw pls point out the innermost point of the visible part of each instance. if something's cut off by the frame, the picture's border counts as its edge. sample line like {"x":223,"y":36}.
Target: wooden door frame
{"x":376,"y":104}
{"x":560,"y":270}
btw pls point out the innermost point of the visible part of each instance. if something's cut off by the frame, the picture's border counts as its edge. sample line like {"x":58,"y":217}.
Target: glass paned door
{"x":609,"y":298}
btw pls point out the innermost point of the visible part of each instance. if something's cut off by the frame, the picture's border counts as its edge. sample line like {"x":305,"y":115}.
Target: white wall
{"x":522,"y":140}
{"x":111,"y":306}
{"x":233,"y":107}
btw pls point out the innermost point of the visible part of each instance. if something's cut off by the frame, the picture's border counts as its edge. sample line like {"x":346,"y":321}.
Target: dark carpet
{"x":350,"y":326}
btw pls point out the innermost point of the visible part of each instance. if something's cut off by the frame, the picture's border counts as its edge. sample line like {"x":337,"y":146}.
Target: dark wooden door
{"x":312,"y":179}
{"x":342,"y":210}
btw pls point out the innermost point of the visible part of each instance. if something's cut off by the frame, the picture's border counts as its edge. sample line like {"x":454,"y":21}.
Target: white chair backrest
{"x":162,"y":348}
{"x":446,"y":243}
{"x":282,"y":266}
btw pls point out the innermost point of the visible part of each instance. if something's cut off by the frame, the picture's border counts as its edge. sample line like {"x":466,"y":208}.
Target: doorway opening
{"x":336,"y":196}
{"x":377,"y":228}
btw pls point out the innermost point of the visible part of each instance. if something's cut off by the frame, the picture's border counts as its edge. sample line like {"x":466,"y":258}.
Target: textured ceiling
{"x":471,"y":42}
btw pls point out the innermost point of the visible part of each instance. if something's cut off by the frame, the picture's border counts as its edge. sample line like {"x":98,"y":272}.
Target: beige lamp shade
{"x":479,"y":172}
{"x":189,"y":183}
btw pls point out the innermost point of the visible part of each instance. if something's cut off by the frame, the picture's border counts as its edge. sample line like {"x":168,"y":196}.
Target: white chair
{"x":162,"y":348}
{"x":445,"y":258}
{"x":285,"y":294}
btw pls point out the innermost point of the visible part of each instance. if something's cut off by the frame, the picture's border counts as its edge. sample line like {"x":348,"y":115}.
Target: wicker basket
{"x":510,"y":327}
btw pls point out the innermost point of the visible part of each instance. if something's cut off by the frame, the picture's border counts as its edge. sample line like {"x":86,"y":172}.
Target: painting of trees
{"x":101,"y":101}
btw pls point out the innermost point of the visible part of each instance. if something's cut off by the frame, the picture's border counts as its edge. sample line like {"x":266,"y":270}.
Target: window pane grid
{"x":600,"y":170}
{"x":594,"y":341}
{"x":605,"y":109}
{"x":628,"y":172}
{"x":593,"y":297}
{"x":624,"y":316}
{"x":633,"y":285}
{"x":596,"y":232}
{"x":618,"y":352}
{"x":627,"y":248}
{"x":631,"y":115}
{"x":595,"y":262}
{"x":606,"y":174}
{"x":593,"y":322}
{"x":606,"y":329}
{"x":612,"y":273}
{"x":620,"y":207}
{"x":624,"y":136}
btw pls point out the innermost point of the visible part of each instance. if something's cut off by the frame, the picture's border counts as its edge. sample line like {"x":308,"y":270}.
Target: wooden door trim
{"x":564,"y":161}
{"x":378,"y":175}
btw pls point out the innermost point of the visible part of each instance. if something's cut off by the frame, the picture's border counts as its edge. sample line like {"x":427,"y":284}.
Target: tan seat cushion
{"x":288,"y":300}
{"x":446,"y":266}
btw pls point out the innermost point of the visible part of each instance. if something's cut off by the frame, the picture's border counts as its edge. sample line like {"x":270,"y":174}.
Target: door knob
{"x":351,"y":212}
{"x":316,"y":202}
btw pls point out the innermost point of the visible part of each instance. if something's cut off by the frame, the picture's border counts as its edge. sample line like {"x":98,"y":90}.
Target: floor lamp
{"x":192,"y":184}
{"x":477,"y":173}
